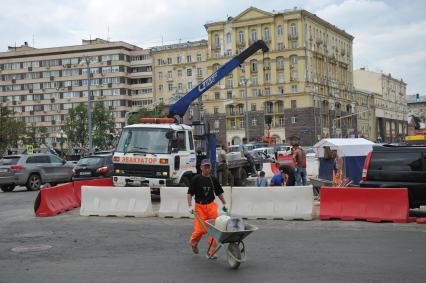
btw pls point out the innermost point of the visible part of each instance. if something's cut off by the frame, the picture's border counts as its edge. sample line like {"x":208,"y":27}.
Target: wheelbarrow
{"x":236,"y":249}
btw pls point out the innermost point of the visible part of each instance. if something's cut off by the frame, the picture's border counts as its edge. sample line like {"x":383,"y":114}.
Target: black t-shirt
{"x":287,"y":169}
{"x":204,"y":188}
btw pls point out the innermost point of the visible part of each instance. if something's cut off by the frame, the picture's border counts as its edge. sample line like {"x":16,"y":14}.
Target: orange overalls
{"x":205,"y":212}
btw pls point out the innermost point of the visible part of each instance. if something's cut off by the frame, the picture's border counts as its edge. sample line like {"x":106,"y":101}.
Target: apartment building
{"x":390,"y":103}
{"x":364,"y":113}
{"x":41,"y":85}
{"x":300,"y":87}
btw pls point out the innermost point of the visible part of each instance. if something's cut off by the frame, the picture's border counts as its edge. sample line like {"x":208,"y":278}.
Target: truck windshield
{"x":144,"y":140}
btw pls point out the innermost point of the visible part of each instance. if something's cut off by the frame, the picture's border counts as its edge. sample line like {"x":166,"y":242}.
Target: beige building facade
{"x":390,"y":105}
{"x":293,"y":89}
{"x":41,"y":85}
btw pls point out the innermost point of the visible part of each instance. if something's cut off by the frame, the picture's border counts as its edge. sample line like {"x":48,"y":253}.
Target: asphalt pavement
{"x":73,"y":248}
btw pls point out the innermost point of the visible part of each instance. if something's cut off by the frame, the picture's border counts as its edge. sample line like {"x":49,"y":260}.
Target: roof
{"x":160,"y":126}
{"x":345,"y":147}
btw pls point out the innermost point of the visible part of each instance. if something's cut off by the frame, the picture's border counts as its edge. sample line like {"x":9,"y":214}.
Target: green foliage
{"x":76,"y":127}
{"x":11,"y":129}
{"x":159,"y":111}
{"x":35,"y":136}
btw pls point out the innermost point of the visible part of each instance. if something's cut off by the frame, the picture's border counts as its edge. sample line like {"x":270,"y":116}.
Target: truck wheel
{"x":184,"y":182}
{"x":33,"y":182}
{"x":7,"y":188}
{"x":241,"y":177}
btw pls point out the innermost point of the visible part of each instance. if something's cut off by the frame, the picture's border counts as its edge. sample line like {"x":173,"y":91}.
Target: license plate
{"x":137,"y":178}
{"x":85,"y":173}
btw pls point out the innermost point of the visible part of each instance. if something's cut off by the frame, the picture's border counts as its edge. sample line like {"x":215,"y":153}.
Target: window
{"x":189,"y":85}
{"x":293,"y":104}
{"x":255,"y":92}
{"x":241,"y":123}
{"x":294,"y":88}
{"x":266,"y":35}
{"x":267,"y":77}
{"x":280,"y":30}
{"x":267,"y":91}
{"x":242,"y":93}
{"x":294,"y":44}
{"x":191,"y":141}
{"x":54,"y":159}
{"x":38,"y":159}
{"x":293,"y":59}
{"x":229,"y":94}
{"x":254,"y":122}
{"x":179,"y":86}
{"x":396,"y":161}
{"x":280,"y":90}
{"x":253,"y":65}
{"x":253,"y":35}
{"x":160,"y":88}
{"x":293,"y":29}
{"x":169,"y":75}
{"x":188,"y":59}
{"x":180,"y":141}
{"x":160,"y":75}
{"x":199,"y":72}
{"x":199,"y":58}
{"x":281,"y":77}
{"x":229,"y":82}
{"x":254,"y":80}
{"x":253,"y":107}
{"x":216,"y":41}
{"x":169,"y":61}
{"x":293,"y":75}
{"x":241,"y":36}
{"x":179,"y":73}
{"x":179,"y":59}
{"x":280,"y":63}
{"x":216,"y":110}
{"x":293,"y":120}
{"x":280,"y":46}
{"x":170,"y":87}
{"x":216,"y":95}
{"x":189,"y":72}
{"x":228,"y":38}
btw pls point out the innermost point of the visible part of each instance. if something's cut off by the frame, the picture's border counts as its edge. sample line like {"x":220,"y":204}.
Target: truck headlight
{"x":117,"y":171}
{"x":164,"y":173}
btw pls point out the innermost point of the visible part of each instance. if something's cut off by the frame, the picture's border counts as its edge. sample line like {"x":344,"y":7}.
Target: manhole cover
{"x":31,"y":248}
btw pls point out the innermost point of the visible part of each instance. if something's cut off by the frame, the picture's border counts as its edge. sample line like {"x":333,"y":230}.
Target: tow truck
{"x":160,"y":152}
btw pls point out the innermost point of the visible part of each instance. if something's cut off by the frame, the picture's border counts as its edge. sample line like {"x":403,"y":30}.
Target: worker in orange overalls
{"x":204,"y":187}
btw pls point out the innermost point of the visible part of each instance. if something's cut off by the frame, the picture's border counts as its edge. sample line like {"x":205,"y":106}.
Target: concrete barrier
{"x":286,"y":203}
{"x":174,"y":201}
{"x":116,"y":201}
{"x":104,"y":182}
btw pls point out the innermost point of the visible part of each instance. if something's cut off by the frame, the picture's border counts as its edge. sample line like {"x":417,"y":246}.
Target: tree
{"x":158,"y":111}
{"x":11,"y":129}
{"x":76,"y":126}
{"x":35,"y":136}
{"x":103,"y":125}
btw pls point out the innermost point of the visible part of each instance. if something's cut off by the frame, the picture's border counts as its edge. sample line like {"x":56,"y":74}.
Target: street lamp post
{"x":245,"y":82}
{"x":89,"y":105}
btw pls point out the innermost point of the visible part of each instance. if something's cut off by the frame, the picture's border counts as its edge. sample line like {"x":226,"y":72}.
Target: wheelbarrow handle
{"x":201,"y":221}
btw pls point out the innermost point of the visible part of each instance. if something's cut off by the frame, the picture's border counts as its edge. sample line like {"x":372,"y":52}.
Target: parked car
{"x":266,"y":154}
{"x":92,"y":167}
{"x":397,"y":167}
{"x":282,"y":150}
{"x":32,"y":171}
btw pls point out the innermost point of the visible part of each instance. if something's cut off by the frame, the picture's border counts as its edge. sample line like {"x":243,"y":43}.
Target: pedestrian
{"x":204,"y":187}
{"x":299,"y":158}
{"x":337,"y":173}
{"x":290,"y":174}
{"x":226,"y":176}
{"x":278,"y":179}
{"x":261,"y":181}
{"x":245,"y":153}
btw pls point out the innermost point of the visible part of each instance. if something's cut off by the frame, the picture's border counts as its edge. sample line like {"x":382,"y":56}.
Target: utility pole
{"x":245,"y":82}
{"x":89,"y":105}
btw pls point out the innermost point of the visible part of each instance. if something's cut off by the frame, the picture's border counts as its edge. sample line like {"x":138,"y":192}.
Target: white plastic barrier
{"x":286,"y":203}
{"x":268,"y":170}
{"x":174,"y":201}
{"x":116,"y":201}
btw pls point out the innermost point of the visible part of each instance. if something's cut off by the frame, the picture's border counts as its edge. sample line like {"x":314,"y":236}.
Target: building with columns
{"x":390,"y":123}
{"x":300,"y":87}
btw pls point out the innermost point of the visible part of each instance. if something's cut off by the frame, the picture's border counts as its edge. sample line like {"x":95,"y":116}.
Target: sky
{"x":390,"y":35}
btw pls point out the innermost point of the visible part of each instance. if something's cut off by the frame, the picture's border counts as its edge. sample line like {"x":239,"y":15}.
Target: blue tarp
{"x":352,"y":168}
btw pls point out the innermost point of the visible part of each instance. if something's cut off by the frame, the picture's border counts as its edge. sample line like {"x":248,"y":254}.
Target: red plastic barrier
{"x":105,"y":182}
{"x":370,"y":204}
{"x":421,"y":220}
{"x":54,"y":200}
{"x":286,"y":160}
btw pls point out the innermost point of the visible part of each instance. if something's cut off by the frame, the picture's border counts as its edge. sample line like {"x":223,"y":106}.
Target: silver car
{"x":32,"y":171}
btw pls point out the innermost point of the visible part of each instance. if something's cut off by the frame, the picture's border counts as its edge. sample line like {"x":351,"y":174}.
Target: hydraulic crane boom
{"x":181,"y":106}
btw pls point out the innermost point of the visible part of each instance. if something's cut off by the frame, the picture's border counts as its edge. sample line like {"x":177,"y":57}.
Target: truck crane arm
{"x":181,"y":106}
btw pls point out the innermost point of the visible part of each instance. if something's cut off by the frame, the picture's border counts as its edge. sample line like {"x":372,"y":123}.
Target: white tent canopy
{"x":345,"y":147}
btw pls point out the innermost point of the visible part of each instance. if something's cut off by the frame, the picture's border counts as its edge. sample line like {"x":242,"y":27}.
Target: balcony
{"x":215,"y":46}
{"x":292,"y":36}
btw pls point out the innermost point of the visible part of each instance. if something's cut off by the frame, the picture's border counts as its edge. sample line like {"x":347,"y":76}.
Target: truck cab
{"x":155,"y":155}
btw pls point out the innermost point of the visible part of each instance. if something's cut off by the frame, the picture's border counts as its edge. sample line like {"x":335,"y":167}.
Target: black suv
{"x":397,"y":167}
{"x":92,"y":167}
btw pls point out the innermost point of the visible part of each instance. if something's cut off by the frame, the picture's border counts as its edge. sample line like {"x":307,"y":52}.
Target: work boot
{"x":194,"y":245}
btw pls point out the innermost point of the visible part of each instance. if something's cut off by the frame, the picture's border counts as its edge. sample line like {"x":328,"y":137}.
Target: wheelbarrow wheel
{"x":233,"y":253}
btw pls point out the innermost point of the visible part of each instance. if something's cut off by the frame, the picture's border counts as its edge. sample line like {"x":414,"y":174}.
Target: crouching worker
{"x":204,"y":187}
